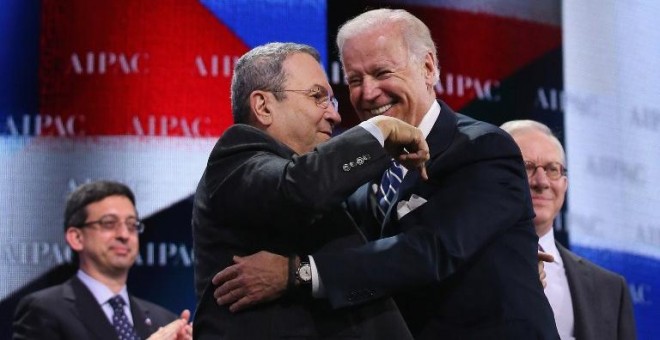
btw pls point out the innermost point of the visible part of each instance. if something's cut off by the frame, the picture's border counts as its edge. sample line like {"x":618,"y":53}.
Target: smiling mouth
{"x":380,"y":110}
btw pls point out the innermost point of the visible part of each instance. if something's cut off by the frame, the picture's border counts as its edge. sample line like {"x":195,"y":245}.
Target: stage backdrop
{"x":612,"y":63}
{"x":138,"y":91}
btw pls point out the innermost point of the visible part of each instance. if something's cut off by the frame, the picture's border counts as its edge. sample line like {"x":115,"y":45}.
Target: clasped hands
{"x":179,"y":329}
{"x":262,"y":277}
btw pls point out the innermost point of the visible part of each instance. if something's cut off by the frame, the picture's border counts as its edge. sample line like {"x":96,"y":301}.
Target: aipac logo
{"x":91,"y":63}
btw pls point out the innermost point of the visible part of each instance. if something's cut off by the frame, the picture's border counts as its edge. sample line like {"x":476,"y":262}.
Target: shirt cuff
{"x":374,"y":131}
{"x":318,"y":291}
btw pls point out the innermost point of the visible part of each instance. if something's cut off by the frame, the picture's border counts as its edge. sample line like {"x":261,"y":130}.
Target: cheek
{"x":560,"y":195}
{"x":355,"y":93}
{"x":543,"y":213}
{"x":134,"y":242}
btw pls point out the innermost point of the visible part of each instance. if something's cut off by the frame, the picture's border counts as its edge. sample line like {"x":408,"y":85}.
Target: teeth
{"x":380,"y":110}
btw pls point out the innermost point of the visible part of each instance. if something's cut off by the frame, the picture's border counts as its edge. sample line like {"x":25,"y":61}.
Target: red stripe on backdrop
{"x":129,"y":67}
{"x":484,"y":46}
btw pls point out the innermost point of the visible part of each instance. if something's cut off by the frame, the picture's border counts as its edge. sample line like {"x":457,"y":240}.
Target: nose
{"x":539,"y":180}
{"x":369,"y":88}
{"x":332,"y":115}
{"x":122,"y":231}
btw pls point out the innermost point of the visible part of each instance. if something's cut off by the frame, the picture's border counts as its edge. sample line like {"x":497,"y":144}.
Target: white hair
{"x":526,"y":125}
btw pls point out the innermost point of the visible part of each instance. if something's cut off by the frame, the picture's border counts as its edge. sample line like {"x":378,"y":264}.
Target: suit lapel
{"x":439,"y":139}
{"x":443,"y":131}
{"x":141,"y":318}
{"x":581,"y":286}
{"x":88,"y":310}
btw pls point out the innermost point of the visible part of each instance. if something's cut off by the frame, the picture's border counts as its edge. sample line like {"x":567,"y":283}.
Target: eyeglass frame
{"x":562,"y":170}
{"x":313,"y":92}
{"x":136,"y":228}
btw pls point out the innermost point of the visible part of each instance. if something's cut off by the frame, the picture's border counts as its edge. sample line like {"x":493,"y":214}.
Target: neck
{"x":541,"y":230}
{"x":114,"y":281}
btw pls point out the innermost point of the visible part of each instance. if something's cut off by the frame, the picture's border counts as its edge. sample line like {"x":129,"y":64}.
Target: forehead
{"x":303,"y":71}
{"x":116,"y":205}
{"x":536,"y":145}
{"x":374,"y":48}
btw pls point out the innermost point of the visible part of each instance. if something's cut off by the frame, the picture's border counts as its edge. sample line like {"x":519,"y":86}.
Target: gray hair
{"x":525,"y":125}
{"x":261,"y":69}
{"x":414,"y":32}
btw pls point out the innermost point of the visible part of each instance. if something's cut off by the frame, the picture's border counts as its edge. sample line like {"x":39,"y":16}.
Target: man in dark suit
{"x":101,"y":227}
{"x":461,"y":246}
{"x":273,"y":182}
{"x":589,"y":302}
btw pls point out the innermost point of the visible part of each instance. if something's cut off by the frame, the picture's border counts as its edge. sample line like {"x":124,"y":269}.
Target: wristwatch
{"x":304,"y":272}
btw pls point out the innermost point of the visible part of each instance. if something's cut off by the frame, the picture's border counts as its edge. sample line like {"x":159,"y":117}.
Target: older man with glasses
{"x":275,"y":181}
{"x":101,"y":226}
{"x":588,"y":302}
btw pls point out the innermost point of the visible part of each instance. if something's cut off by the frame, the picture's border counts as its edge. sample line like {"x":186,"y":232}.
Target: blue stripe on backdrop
{"x":642,"y":276}
{"x":260,"y":22}
{"x":19,"y":59}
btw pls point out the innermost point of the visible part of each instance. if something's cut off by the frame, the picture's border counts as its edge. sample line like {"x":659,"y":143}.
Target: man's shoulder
{"x":600,"y":272}
{"x":47,"y":294}
{"x":240,"y":138}
{"x":477,"y":128}
{"x":153,"y":308}
{"x":482,"y":139}
{"x":47,"y":301}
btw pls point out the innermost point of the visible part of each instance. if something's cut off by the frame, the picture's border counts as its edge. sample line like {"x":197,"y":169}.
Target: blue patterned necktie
{"x":124,"y":329}
{"x":389,"y":184}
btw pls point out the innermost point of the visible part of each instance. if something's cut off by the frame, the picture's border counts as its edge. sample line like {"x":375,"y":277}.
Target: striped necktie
{"x":389,"y":185}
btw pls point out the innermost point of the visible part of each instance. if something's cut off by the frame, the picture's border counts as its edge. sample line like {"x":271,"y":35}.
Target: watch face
{"x":305,"y":272}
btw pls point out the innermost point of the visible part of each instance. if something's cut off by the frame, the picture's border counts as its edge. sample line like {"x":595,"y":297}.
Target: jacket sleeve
{"x":477,"y":190}
{"x":33,"y":321}
{"x":277,"y":187}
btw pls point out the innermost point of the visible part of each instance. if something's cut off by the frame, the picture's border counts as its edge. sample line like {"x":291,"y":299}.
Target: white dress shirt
{"x":557,"y":290}
{"x":102,"y":294}
{"x":425,"y":125}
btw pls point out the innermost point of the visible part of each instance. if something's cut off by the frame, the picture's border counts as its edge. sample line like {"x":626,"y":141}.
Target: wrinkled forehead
{"x":379,"y":52}
{"x":538,"y":147}
{"x":304,"y":72}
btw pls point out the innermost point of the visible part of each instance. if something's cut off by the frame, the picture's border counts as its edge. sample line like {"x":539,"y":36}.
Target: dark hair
{"x":75,"y":213}
{"x":261,"y":69}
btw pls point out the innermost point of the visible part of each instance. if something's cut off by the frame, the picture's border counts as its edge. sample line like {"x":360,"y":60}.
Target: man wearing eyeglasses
{"x":275,"y":181}
{"x":589,"y":302}
{"x":101,"y":227}
{"x":459,"y":249}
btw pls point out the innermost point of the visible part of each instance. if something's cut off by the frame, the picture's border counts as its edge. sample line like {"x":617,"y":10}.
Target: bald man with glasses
{"x":589,"y":302}
{"x":101,"y":226}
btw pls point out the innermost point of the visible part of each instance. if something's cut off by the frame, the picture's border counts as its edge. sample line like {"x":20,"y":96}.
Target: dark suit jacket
{"x":467,"y":258}
{"x":601,"y":300}
{"x":70,"y":311}
{"x":255,"y":195}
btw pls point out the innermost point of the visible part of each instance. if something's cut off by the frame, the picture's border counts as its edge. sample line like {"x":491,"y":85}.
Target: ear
{"x":429,"y":69}
{"x":74,"y":238}
{"x":260,"y":105}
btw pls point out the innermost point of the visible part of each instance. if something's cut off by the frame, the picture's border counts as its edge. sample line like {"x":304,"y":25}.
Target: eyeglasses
{"x":320,"y":95}
{"x":111,"y":223}
{"x":554,"y":170}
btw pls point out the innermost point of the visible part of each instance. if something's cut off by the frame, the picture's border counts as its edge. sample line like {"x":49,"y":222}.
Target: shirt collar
{"x":547,"y":241}
{"x":429,"y":119}
{"x":100,"y":291}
